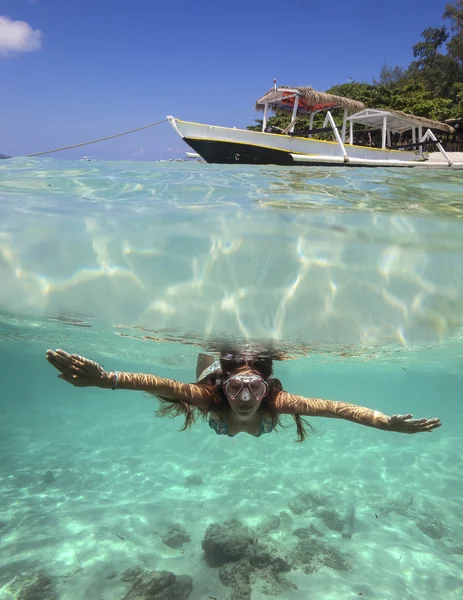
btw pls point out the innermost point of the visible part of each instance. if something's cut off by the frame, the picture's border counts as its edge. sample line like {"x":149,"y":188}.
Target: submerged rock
{"x":245,"y":575}
{"x":38,"y":586}
{"x":305,"y":501}
{"x":226,"y":543}
{"x":176,"y":536}
{"x":307,"y":532}
{"x":156,"y":585}
{"x":131,"y":575}
{"x":237,"y":576}
{"x":246,"y":562}
{"x":331,"y":518}
{"x":311,"y":554}
{"x":270,"y":524}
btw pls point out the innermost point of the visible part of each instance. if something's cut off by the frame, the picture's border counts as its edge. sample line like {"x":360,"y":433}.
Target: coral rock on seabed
{"x":270,"y":524}
{"x":245,"y":562}
{"x":311,"y":554}
{"x":156,"y":585}
{"x":331,"y":519}
{"x":33,"y":587}
{"x":176,"y":536}
{"x":305,"y":501}
{"x":237,"y":576}
{"x":307,"y":532}
{"x":226,"y":543}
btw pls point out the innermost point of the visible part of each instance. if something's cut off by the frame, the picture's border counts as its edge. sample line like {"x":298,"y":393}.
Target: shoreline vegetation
{"x":431,"y":86}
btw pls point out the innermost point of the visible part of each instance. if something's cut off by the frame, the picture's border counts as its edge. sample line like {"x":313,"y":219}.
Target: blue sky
{"x":75,"y":71}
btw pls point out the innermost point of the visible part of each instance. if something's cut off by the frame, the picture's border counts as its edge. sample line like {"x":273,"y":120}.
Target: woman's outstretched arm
{"x":82,"y":372}
{"x":316,"y":407}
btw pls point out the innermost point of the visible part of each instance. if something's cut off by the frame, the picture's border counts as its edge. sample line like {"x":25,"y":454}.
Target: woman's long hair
{"x":231,"y":365}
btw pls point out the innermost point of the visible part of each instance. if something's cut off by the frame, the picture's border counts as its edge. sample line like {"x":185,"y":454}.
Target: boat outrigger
{"x":271,"y":145}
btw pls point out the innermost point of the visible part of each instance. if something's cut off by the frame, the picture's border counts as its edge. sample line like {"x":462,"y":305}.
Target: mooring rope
{"x":109,"y":137}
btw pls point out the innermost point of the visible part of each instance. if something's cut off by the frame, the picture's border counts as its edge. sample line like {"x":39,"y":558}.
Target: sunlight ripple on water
{"x":319,"y":259}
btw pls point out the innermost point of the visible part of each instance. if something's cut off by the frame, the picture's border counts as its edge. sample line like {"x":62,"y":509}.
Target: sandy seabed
{"x":92,"y":485}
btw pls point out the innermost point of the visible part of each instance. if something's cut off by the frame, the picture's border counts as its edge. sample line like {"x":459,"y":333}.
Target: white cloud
{"x":18,"y":36}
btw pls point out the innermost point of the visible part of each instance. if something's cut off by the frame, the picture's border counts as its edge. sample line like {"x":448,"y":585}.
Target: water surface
{"x":356,"y":273}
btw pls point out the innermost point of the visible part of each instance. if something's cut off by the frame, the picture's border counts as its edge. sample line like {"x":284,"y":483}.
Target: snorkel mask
{"x":249,"y":381}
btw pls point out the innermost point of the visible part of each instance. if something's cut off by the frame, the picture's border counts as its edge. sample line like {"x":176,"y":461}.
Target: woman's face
{"x":245,"y":392}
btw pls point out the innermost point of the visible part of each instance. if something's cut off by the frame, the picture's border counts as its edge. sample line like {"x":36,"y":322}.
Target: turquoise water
{"x":356,"y":273}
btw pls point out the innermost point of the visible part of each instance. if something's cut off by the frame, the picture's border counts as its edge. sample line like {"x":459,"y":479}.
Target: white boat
{"x":193,"y":157}
{"x":217,"y":144}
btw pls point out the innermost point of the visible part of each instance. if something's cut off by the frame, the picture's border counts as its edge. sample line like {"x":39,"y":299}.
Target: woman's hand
{"x":405,"y":424}
{"x":80,"y":371}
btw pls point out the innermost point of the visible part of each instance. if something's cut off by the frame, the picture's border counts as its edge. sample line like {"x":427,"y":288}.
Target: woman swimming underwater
{"x":236,"y":394}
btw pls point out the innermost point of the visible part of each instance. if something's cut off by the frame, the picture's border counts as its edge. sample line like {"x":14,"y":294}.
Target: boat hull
{"x":223,"y":152}
{"x":233,"y":146}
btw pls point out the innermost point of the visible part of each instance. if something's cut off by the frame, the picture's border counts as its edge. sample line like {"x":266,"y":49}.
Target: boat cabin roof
{"x":282,"y":98}
{"x":397,"y":121}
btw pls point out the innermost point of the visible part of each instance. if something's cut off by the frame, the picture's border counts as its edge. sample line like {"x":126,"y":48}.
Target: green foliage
{"x":411,"y":97}
{"x":426,"y":51}
{"x":374,"y":96}
{"x":303,"y":123}
{"x":458,"y":105}
{"x":280,"y":121}
{"x":431,"y":86}
{"x":417,"y":100}
{"x":454,"y":13}
{"x":390,"y":77}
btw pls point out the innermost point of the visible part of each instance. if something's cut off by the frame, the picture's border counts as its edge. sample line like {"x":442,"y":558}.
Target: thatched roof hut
{"x":282,"y":99}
